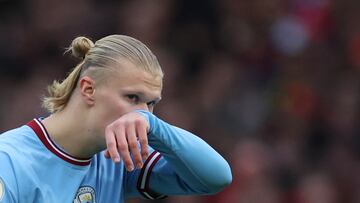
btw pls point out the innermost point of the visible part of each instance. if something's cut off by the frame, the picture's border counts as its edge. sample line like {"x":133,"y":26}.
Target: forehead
{"x":132,"y":78}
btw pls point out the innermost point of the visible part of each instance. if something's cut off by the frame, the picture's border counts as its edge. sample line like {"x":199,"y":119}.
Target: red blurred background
{"x":271,"y":84}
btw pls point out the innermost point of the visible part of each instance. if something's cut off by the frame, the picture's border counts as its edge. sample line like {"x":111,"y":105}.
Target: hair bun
{"x":80,"y":46}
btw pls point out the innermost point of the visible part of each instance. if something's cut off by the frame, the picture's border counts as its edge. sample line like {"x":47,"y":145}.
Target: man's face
{"x":126,"y":90}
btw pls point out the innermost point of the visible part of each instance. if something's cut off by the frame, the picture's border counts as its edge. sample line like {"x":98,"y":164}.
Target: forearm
{"x":193,"y":160}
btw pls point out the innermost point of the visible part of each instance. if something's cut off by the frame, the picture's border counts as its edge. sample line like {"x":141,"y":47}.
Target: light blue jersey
{"x":34,"y":169}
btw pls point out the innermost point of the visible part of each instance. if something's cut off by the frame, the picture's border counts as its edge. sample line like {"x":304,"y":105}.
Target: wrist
{"x":146,"y":115}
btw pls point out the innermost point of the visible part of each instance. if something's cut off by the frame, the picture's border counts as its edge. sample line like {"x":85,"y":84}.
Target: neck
{"x":69,"y":129}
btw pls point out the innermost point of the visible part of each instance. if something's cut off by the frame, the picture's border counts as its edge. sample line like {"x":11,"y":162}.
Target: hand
{"x":122,"y":137}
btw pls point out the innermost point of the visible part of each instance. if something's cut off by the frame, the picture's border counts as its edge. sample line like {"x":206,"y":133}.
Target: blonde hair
{"x":106,"y":54}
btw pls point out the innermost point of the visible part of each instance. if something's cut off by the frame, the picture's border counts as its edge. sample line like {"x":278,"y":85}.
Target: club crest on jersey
{"x":85,"y":194}
{"x":2,"y":189}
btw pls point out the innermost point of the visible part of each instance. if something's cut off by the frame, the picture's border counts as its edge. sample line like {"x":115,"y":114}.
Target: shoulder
{"x":15,"y":150}
{"x":8,"y":181}
{"x":16,"y":136}
{"x":17,"y":143}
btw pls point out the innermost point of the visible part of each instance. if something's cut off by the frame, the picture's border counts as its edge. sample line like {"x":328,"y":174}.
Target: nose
{"x":143,"y":106}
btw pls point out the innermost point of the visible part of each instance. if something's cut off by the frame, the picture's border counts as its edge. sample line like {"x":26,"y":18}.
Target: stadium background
{"x":271,"y":84}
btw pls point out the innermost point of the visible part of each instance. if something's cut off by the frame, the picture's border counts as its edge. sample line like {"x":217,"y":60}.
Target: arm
{"x":186,"y":164}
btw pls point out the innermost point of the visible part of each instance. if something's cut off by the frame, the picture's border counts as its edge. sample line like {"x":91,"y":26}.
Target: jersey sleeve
{"x":181,"y":164}
{"x":8,"y":183}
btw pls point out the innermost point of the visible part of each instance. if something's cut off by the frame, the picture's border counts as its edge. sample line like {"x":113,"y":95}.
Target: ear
{"x":87,"y":90}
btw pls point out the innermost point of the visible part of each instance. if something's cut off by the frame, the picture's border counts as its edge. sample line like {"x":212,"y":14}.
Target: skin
{"x":100,"y":115}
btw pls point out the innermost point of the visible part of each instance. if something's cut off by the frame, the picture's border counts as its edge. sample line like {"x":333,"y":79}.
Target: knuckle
{"x":108,"y":128}
{"x":144,"y":152}
{"x":143,"y":140}
{"x":124,"y":122}
{"x":122,"y":147}
{"x":111,"y":144}
{"x":137,"y":157}
{"x":118,"y":124}
{"x":138,"y":121}
{"x":133,"y":145}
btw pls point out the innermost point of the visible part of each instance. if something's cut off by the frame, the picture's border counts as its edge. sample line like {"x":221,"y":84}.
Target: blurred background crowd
{"x":273,"y":85}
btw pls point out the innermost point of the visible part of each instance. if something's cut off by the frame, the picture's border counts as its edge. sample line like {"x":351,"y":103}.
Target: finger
{"x":123,"y":149}
{"x":133,"y":144}
{"x":107,"y":154}
{"x":110,"y":138}
{"x":143,"y":139}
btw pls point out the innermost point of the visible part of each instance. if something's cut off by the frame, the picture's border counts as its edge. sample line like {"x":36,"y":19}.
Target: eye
{"x":133,"y":98}
{"x":151,"y":104}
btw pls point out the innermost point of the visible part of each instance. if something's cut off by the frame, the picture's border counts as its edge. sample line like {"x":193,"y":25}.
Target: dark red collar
{"x":43,"y":135}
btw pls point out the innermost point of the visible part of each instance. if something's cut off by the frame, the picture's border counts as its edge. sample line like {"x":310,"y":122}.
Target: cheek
{"x":116,"y":107}
{"x":108,"y":108}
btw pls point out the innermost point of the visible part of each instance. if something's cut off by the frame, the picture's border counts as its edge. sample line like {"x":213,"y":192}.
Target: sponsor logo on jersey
{"x":2,"y":189}
{"x":85,"y":194}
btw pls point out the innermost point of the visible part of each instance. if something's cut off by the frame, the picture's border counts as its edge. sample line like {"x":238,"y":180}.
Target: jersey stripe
{"x":144,"y":177}
{"x":147,"y":169}
{"x":41,"y":132}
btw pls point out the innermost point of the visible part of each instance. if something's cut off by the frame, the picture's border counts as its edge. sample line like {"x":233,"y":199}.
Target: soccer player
{"x":101,"y":142}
